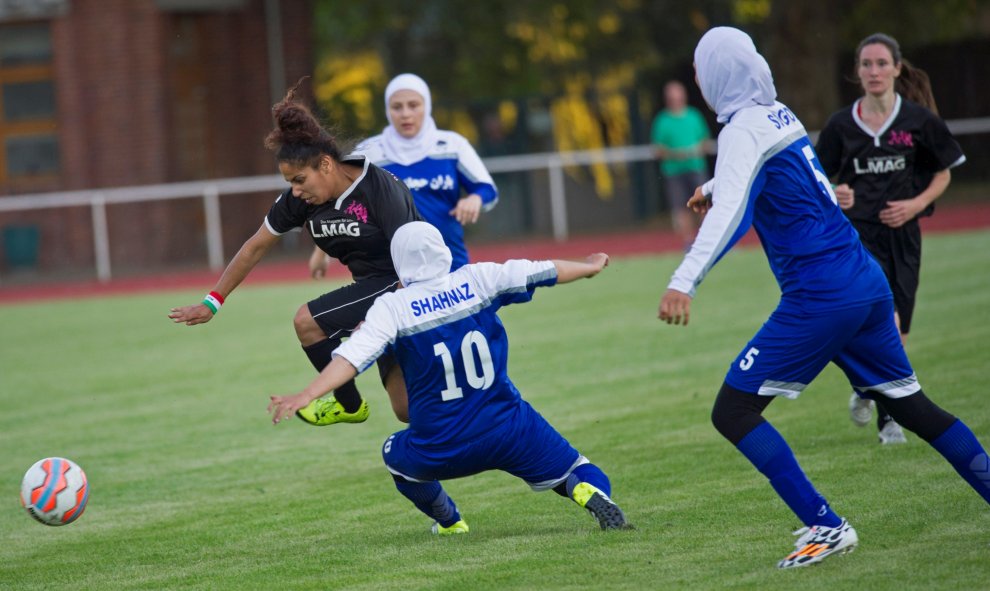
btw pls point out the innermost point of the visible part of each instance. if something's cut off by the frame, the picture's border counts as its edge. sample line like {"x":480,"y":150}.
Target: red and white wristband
{"x":213,"y":301}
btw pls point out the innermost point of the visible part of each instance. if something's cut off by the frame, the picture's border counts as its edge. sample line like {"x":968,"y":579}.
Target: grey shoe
{"x":892,"y":434}
{"x":860,"y":410}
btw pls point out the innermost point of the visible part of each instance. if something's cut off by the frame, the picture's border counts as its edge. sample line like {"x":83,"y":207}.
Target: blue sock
{"x":591,"y":474}
{"x":967,"y":456}
{"x":430,"y":498}
{"x":767,"y":450}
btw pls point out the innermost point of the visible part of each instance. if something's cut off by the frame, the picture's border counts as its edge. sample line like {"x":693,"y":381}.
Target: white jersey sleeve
{"x":470,"y":166}
{"x":513,"y":281}
{"x":371,"y":148}
{"x":726,"y":222}
{"x":368,"y":342}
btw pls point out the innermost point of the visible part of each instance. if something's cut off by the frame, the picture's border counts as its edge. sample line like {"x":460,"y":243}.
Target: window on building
{"x":28,"y":131}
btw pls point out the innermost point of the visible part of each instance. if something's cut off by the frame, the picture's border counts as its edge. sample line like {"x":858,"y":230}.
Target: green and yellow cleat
{"x":327,"y":411}
{"x":461,"y":527}
{"x":608,"y":514}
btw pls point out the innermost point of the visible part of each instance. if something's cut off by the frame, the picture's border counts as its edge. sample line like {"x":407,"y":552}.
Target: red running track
{"x":617,"y":244}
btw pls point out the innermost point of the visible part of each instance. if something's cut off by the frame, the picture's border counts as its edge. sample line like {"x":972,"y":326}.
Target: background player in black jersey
{"x":890,"y":156}
{"x":351,"y":208}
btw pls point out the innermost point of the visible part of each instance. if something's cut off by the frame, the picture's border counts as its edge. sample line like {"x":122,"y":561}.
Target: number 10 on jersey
{"x":472,"y":343}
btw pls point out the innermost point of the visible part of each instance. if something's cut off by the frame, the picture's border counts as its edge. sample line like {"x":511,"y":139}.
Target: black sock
{"x":320,"y":354}
{"x":883,"y":417}
{"x":348,"y":397}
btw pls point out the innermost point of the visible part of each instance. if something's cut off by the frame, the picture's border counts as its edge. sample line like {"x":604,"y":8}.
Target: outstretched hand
{"x":282,"y":407}
{"x":191,"y":315}
{"x":699,"y":202}
{"x":674,"y":307}
{"x":598,"y":260}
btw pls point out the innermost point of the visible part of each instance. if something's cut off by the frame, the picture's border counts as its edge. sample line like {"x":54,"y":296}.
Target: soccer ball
{"x":54,"y":491}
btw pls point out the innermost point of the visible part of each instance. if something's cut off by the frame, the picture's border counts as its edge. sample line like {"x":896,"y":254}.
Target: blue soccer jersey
{"x":768,"y":176}
{"x":452,"y":347}
{"x":451,"y":169}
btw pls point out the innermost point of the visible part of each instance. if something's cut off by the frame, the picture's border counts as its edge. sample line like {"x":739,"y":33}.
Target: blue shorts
{"x":524,"y":445}
{"x":793,"y":347}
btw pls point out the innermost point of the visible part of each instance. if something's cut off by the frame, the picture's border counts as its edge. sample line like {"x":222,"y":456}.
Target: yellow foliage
{"x":349,"y":79}
{"x":751,"y":11}
{"x":578,"y":125}
{"x":457,"y":120}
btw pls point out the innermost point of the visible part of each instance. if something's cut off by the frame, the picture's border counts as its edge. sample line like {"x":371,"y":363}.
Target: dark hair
{"x":298,"y":137}
{"x":913,"y":83}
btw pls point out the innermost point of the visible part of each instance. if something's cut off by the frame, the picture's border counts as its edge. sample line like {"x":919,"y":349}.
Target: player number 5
{"x":749,"y":358}
{"x":472,"y":341}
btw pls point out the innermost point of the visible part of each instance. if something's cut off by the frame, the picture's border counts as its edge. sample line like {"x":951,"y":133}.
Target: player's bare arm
{"x":568,"y":271}
{"x":246,"y":258}
{"x":339,"y":372}
{"x":319,"y":262}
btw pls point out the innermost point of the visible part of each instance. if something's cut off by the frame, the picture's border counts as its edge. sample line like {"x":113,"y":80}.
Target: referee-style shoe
{"x":819,"y":542}
{"x":608,"y":514}
{"x":327,"y":411}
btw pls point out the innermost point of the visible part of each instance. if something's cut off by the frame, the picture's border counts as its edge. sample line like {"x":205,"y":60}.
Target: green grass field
{"x":193,"y":488}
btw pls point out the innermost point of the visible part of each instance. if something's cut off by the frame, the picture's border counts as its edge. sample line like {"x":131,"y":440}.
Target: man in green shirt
{"x":682,"y":139}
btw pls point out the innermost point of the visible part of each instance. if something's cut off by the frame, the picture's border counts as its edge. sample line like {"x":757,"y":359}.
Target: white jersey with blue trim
{"x":767,"y":175}
{"x":450,"y":169}
{"x":451,"y":346}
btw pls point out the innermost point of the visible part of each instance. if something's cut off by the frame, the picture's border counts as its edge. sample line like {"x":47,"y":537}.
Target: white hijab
{"x":731,"y":74}
{"x":403,"y":150}
{"x":419,"y":254}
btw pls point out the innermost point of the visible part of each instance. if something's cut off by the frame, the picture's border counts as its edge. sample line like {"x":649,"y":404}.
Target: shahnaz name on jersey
{"x":442,"y":300}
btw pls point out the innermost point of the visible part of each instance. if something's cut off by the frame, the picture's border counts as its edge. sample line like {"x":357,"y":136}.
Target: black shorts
{"x":339,"y":312}
{"x":898,"y":250}
{"x":680,"y":188}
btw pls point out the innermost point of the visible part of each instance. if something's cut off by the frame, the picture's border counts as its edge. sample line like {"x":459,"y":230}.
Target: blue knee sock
{"x":767,"y":450}
{"x":430,"y":498}
{"x":591,"y":474}
{"x":967,"y":456}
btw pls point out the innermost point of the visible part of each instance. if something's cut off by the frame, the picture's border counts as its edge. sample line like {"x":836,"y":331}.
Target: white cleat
{"x":860,"y":410}
{"x":820,"y":542}
{"x":892,"y":434}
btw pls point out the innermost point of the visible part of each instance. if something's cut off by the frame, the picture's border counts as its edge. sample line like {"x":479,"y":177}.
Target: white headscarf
{"x":419,"y":254}
{"x":403,"y":150}
{"x":731,"y":74}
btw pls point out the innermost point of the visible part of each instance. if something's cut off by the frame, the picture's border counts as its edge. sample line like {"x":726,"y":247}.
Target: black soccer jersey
{"x":358,"y":226}
{"x":886,"y":165}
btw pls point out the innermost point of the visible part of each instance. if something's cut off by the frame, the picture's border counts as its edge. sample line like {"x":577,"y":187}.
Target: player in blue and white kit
{"x":450,"y":185}
{"x":767,"y":175}
{"x":465,"y":415}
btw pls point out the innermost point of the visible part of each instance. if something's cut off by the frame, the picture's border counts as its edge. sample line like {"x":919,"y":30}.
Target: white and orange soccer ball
{"x":54,"y":491}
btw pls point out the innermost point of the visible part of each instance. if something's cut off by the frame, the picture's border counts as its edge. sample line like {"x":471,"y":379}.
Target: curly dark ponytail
{"x":298,"y":137}
{"x":913,"y":83}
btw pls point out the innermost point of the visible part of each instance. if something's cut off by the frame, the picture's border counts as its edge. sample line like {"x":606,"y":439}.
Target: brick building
{"x":109,"y":93}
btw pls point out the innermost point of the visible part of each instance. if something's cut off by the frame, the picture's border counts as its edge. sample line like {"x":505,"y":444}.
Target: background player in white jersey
{"x":890,"y":155}
{"x":351,"y":209}
{"x":465,"y":415}
{"x":835,"y":303}
{"x":449,"y":183}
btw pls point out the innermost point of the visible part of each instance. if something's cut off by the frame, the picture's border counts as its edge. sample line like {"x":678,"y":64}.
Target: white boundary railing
{"x":210,"y":192}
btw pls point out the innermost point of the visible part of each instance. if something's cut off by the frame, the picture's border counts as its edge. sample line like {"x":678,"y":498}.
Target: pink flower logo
{"x":901,"y":138}
{"x":357,"y":210}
